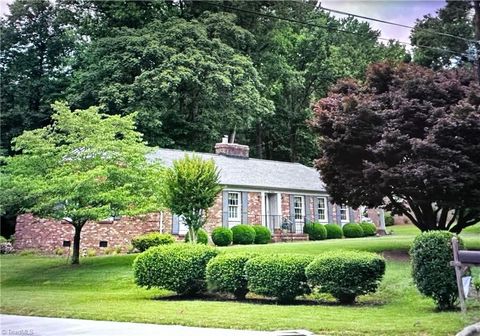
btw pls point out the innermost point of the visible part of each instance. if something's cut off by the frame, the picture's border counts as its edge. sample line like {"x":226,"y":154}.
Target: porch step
{"x":288,"y":237}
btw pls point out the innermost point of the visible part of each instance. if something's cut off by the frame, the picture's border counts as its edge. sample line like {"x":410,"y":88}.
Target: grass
{"x":102,"y":288}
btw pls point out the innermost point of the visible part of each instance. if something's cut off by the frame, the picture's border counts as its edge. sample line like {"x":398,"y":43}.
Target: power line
{"x":328,"y":27}
{"x":396,"y":24}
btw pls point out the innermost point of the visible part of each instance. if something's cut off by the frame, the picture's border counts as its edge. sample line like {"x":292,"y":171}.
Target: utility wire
{"x":396,"y":24}
{"x":271,"y":16}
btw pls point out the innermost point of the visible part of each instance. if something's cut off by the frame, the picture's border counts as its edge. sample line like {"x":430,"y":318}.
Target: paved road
{"x":45,"y":326}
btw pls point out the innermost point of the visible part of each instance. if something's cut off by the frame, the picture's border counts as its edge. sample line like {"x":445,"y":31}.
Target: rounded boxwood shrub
{"x":202,"y":237}
{"x":243,"y":234}
{"x":179,"y":267}
{"x":148,"y":240}
{"x":315,"y":231}
{"x":334,"y":231}
{"x":278,"y":276}
{"x":369,"y":229}
{"x":222,"y":236}
{"x":431,"y":254}
{"x":226,"y":274}
{"x":262,"y":234}
{"x":352,"y":230}
{"x":347,"y":274}
{"x":389,"y":220}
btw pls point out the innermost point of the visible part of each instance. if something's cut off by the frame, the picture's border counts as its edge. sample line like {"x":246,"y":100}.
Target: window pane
{"x":321,"y":210}
{"x":233,"y":198}
{"x":298,"y":207}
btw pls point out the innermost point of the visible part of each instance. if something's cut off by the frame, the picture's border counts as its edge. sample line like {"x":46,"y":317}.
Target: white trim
{"x":264,"y":208}
{"x":325,"y":209}
{"x":275,"y":190}
{"x":238,"y":206}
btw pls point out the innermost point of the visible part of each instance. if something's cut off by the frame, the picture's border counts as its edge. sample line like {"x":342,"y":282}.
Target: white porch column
{"x":262,"y":195}
{"x":381,"y":218}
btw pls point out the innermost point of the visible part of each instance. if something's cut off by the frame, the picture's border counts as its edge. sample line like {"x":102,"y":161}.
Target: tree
{"x":191,"y":187}
{"x":86,"y":166}
{"x":188,"y":88}
{"x":36,"y":50}
{"x":406,"y":139}
{"x":454,"y":19}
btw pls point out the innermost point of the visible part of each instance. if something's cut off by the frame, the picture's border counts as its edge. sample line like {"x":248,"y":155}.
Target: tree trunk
{"x":76,"y":243}
{"x":192,"y":235}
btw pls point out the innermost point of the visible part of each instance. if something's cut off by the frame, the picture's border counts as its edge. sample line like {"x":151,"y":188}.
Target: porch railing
{"x":278,"y":223}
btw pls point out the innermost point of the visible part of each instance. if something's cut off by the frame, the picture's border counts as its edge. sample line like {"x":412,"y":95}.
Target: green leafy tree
{"x":84,"y":167}
{"x":454,"y":19}
{"x":191,"y":187}
{"x":187,"y":85}
{"x":35,"y":56}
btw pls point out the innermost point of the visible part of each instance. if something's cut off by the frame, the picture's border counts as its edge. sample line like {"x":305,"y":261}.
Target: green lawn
{"x":102,"y":288}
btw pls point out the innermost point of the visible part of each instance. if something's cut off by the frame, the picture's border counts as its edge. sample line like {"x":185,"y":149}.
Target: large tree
{"x":35,"y":57}
{"x":406,"y":139}
{"x":84,"y":167}
{"x":187,"y":85}
{"x":435,"y":50}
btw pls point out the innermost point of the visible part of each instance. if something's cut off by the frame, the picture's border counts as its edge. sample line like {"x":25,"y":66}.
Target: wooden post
{"x":458,"y":273}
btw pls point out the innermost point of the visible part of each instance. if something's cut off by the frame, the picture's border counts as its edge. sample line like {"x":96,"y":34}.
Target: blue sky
{"x":404,"y":12}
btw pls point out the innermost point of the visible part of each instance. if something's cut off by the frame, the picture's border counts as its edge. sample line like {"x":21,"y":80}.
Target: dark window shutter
{"x":175,"y":224}
{"x":225,"y":209}
{"x":307,"y":209}
{"x":330,"y":210}
{"x":244,"y":207}
{"x":292,"y":209}
{"x":351,"y":215}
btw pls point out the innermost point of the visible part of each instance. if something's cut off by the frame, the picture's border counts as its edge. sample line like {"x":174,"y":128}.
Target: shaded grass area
{"x":102,"y":288}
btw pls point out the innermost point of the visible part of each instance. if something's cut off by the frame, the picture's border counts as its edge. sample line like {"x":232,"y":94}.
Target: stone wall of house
{"x":48,"y":234}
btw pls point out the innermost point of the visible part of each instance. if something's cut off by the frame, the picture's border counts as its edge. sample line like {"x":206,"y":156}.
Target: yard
{"x":102,"y":288}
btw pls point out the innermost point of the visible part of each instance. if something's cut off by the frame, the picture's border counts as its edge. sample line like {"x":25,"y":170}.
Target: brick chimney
{"x":231,"y":149}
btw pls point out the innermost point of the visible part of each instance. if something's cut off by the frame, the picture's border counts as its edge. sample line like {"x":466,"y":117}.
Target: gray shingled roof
{"x":254,"y":173}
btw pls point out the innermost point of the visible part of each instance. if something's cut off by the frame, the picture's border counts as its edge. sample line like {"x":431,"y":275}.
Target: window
{"x":344,"y":213}
{"x":66,"y":243}
{"x":234,"y":206}
{"x":322,"y":209}
{"x":298,"y":207}
{"x":103,"y":243}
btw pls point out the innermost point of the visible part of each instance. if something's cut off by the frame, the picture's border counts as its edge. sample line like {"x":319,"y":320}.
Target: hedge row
{"x":189,"y":269}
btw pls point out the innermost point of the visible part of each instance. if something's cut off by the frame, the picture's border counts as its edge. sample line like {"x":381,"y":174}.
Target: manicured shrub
{"x":179,"y":267}
{"x":262,"y":234}
{"x":347,"y":274}
{"x":352,"y":230}
{"x":315,"y":231}
{"x":243,"y":234}
{"x":431,"y":254}
{"x":389,"y":220}
{"x":226,"y":274}
{"x":278,"y":276}
{"x":202,"y":237}
{"x":334,"y":231}
{"x":369,"y":229}
{"x":148,"y":240}
{"x":222,"y":236}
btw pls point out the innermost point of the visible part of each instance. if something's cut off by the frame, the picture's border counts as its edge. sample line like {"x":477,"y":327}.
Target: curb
{"x":472,"y":330}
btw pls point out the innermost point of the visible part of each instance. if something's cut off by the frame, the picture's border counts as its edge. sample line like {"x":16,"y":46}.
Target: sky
{"x":404,"y":12}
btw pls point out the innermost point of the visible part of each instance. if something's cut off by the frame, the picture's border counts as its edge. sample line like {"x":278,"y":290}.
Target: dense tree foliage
{"x":193,"y":70}
{"x":454,"y":19}
{"x":85,"y":166}
{"x":406,"y":138}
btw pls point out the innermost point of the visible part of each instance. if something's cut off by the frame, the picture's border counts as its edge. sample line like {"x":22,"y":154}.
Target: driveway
{"x":46,"y":326}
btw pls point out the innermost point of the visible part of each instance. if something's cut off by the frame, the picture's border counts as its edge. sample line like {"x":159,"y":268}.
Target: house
{"x":282,"y":196}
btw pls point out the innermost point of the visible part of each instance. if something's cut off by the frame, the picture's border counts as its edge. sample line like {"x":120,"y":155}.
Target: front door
{"x":272,"y":215}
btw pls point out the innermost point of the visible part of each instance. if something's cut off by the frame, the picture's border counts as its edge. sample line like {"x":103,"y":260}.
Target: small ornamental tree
{"x":191,"y":187}
{"x":407,"y":139}
{"x":84,"y":167}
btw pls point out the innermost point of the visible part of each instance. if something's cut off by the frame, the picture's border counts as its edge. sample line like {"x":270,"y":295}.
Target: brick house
{"x":282,"y":196}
